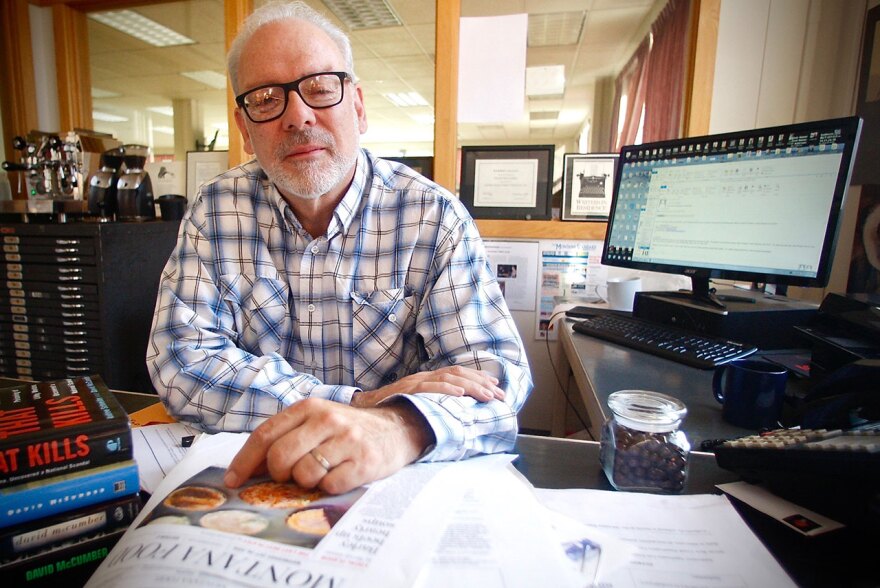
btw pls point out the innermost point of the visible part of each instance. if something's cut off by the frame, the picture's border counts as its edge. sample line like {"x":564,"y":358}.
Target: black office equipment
{"x":664,"y":341}
{"x":766,"y":321}
{"x":845,"y":329}
{"x":761,"y":206}
{"x":815,"y":468}
{"x":853,"y":454}
{"x":78,"y":298}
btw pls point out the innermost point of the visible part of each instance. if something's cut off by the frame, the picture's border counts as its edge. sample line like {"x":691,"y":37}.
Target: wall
{"x":786,"y":61}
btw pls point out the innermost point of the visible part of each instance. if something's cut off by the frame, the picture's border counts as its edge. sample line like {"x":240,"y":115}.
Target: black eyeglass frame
{"x":294,"y":86}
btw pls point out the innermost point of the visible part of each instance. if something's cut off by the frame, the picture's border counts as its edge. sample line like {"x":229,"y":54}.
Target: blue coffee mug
{"x":751,"y":392}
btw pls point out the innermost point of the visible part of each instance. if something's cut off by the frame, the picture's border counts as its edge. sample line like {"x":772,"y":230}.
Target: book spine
{"x":61,"y":453}
{"x":71,"y":565}
{"x":55,"y":530}
{"x":21,"y":504}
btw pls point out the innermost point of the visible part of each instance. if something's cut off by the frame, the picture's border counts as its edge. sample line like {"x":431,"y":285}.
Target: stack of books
{"x":68,"y":484}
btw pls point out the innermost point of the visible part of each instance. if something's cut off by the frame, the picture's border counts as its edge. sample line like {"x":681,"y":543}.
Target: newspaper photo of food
{"x":277,"y":511}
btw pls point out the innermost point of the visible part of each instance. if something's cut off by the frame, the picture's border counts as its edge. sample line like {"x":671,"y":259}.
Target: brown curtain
{"x":631,"y":83}
{"x":667,"y":73}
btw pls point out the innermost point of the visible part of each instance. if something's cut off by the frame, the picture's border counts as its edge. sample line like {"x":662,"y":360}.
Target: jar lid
{"x":647,"y":411}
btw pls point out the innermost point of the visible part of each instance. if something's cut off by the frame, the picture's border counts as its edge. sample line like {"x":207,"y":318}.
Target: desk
{"x":600,"y":368}
{"x":837,"y":559}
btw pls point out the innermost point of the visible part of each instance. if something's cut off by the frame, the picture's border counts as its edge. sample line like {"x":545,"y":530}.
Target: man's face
{"x":306,"y":152}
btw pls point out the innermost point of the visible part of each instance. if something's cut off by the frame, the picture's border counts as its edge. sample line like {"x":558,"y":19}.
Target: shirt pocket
{"x":380,"y":321}
{"x":261,"y":312}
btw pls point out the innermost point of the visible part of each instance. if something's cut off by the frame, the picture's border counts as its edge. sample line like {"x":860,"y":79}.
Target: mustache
{"x":306,"y":137}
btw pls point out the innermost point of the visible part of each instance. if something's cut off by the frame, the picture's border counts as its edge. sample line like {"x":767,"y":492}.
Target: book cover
{"x":35,"y":500}
{"x":55,"y":530}
{"x":70,"y":564}
{"x":58,"y":427}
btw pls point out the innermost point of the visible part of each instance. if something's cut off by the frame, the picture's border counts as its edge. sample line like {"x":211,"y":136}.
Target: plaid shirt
{"x":254,"y":314}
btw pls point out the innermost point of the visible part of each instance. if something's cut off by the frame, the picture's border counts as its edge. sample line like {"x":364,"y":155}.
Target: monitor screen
{"x":761,"y":205}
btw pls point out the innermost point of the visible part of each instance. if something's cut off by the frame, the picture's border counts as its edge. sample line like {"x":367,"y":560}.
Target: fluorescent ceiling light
{"x":99,"y":93}
{"x":404,"y":99}
{"x":555,"y":29}
{"x":164,"y":110}
{"x":548,"y":80}
{"x":141,"y":27}
{"x":107,"y":117}
{"x":363,"y":14}
{"x":208,"y":77}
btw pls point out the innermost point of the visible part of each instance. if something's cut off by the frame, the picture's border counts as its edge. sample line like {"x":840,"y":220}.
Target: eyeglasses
{"x":319,"y":90}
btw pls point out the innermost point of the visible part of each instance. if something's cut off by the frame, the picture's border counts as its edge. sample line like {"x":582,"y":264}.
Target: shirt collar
{"x":347,"y":208}
{"x":351,"y":203}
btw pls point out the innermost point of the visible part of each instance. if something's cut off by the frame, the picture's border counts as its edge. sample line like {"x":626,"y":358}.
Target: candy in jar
{"x":641,"y":446}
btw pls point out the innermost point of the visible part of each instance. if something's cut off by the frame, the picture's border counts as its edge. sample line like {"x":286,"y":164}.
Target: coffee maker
{"x":134,"y":190}
{"x":102,"y":185}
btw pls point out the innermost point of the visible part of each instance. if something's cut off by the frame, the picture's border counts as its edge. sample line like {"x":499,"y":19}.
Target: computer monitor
{"x":761,"y":205}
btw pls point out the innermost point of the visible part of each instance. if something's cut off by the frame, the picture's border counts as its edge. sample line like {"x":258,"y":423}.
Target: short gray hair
{"x":277,"y":11}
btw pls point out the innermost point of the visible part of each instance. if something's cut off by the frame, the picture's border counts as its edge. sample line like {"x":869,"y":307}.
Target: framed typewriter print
{"x":507,"y":182}
{"x":587,"y":184}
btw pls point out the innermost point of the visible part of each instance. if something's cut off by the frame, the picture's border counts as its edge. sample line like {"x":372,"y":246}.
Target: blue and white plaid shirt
{"x":254,"y":314}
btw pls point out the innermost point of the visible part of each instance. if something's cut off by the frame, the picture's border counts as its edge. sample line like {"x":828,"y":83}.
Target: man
{"x":339,"y":306}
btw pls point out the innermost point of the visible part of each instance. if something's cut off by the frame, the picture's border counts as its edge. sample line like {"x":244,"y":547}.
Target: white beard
{"x":310,"y":179}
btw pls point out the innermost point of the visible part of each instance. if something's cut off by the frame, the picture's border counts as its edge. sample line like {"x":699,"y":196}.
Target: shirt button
{"x":392,"y":318}
{"x":311,"y":308}
{"x":315,"y":249}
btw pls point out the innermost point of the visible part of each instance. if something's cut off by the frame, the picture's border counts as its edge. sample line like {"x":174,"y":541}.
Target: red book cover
{"x":59,"y":427}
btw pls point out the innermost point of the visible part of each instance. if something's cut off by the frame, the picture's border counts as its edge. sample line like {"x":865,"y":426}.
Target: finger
{"x":342,"y":478}
{"x":312,"y":467}
{"x":293,"y":447}
{"x":251,"y":458}
{"x":474,"y":384}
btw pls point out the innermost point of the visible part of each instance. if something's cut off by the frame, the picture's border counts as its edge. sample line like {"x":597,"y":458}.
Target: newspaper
{"x":473,"y":519}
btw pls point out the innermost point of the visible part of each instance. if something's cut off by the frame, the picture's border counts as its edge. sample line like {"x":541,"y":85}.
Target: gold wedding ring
{"x":321,"y":459}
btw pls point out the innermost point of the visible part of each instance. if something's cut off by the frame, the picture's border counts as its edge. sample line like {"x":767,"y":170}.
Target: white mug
{"x":620,"y":293}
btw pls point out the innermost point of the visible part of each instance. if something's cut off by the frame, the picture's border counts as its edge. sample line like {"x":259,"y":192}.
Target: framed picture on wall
{"x":587,"y":184}
{"x":507,"y":182}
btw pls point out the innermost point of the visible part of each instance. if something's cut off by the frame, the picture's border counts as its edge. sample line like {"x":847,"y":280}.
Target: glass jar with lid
{"x":641,"y":447}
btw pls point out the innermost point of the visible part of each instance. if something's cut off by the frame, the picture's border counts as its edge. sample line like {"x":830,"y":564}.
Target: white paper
{"x":692,"y":540}
{"x":157,"y":449}
{"x":514,"y":263}
{"x":492,"y":65}
{"x":507,"y":183}
{"x":499,"y":537}
{"x":800,"y":519}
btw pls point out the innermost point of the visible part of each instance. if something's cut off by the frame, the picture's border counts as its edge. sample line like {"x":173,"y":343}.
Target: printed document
{"x":695,"y":540}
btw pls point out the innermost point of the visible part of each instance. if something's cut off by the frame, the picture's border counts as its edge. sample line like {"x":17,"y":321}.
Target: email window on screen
{"x":736,"y":212}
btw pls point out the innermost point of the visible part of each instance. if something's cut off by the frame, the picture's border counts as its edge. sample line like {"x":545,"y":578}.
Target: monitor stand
{"x":702,"y":294}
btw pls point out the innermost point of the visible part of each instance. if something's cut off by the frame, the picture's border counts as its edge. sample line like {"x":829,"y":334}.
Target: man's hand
{"x":359,"y":446}
{"x":451,"y":380}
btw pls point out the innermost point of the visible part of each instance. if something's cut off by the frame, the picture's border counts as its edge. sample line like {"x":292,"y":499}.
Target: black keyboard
{"x":701,"y":351}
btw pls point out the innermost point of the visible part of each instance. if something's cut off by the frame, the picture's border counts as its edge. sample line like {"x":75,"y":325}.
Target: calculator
{"x":851,"y":455}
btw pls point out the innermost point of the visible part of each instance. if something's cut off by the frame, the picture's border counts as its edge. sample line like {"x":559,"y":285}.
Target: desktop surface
{"x":604,"y":367}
